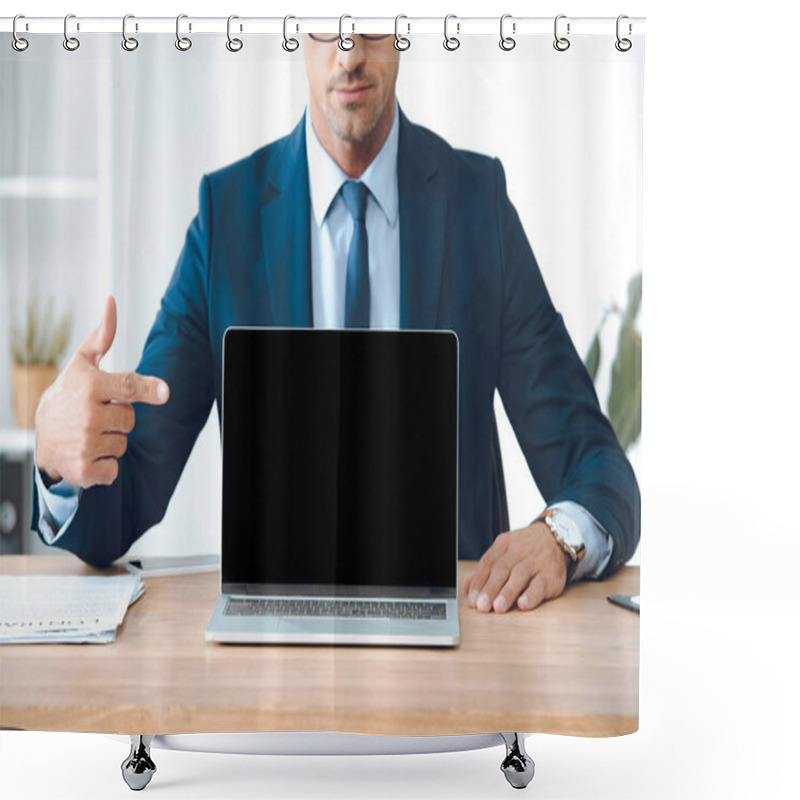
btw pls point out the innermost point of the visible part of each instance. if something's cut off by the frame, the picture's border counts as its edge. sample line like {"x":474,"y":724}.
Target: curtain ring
{"x":70,"y":42}
{"x":506,"y":42}
{"x":128,"y":42}
{"x":183,"y":43}
{"x":561,"y":43}
{"x":401,"y":43}
{"x":18,"y":43}
{"x":233,"y":45}
{"x":289,"y":44}
{"x":451,"y":42}
{"x":345,"y":42}
{"x":623,"y":45}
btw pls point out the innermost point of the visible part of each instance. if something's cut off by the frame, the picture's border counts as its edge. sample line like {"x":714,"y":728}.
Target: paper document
{"x":64,"y":608}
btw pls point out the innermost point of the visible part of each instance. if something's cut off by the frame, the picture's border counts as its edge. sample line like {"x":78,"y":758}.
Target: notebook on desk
{"x":339,"y":495}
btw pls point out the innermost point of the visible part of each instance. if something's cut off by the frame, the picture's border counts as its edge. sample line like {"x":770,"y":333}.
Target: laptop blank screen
{"x":340,"y":452}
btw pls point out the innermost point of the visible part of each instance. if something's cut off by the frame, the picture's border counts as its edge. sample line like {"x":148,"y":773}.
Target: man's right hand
{"x":84,"y":418}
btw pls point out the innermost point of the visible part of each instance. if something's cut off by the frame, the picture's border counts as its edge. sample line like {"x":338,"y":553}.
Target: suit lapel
{"x":422,"y":229}
{"x":285,"y":232}
{"x":285,"y":219}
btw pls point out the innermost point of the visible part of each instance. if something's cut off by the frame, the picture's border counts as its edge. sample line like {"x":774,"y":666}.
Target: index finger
{"x":130,"y":387}
{"x":475,"y":580}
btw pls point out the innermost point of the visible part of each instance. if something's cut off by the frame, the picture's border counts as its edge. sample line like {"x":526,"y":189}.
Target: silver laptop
{"x":339,"y":487}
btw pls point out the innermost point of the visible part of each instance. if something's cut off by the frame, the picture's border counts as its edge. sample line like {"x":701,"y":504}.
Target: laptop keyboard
{"x":313,"y":607}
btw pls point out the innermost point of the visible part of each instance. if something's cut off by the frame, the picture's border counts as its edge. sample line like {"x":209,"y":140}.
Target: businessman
{"x":357,"y":218}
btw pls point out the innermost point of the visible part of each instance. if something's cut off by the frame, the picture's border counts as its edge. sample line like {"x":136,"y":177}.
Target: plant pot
{"x":28,"y":384}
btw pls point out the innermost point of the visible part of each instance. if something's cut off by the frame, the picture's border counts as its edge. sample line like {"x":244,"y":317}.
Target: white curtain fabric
{"x":101,"y":161}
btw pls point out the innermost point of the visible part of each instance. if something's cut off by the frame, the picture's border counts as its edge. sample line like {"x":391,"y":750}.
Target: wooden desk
{"x":569,"y":667}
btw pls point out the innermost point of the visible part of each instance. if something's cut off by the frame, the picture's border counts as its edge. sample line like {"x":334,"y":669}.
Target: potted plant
{"x":37,"y":345}
{"x":625,"y":394}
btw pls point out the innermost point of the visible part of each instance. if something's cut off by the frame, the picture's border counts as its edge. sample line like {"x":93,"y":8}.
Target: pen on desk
{"x":625,"y":600}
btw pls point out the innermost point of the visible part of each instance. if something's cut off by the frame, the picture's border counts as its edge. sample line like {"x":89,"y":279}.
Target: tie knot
{"x":355,"y":194}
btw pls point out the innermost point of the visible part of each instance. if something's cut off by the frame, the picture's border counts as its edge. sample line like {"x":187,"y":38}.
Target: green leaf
{"x":41,"y":337}
{"x":593,"y":357}
{"x":625,"y":394}
{"x":624,"y":407}
{"x":629,"y":424}
{"x":634,"y":299}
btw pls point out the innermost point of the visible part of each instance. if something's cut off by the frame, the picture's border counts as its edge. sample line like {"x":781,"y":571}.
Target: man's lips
{"x":352,"y":94}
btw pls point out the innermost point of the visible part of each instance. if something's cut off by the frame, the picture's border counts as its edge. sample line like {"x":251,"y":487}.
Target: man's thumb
{"x":99,"y":342}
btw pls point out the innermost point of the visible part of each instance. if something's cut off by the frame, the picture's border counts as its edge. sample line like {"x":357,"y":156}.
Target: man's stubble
{"x":354,"y":122}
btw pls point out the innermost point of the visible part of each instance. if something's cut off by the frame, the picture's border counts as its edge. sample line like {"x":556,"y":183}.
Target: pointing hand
{"x":84,"y":418}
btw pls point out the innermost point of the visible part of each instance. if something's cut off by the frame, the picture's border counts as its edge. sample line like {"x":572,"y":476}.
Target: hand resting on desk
{"x":525,"y":566}
{"x":84,"y":418}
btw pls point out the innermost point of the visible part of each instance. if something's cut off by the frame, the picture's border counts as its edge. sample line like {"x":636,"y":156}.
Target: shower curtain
{"x":103,"y":148}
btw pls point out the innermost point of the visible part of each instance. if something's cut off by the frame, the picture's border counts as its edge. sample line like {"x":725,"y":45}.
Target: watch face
{"x":567,"y":529}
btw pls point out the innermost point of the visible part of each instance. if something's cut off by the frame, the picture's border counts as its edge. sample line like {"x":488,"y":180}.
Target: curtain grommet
{"x":561,"y":43}
{"x":183,"y":43}
{"x":401,"y":43}
{"x":345,"y":42}
{"x":451,"y":43}
{"x":507,"y":43}
{"x":128,"y":42}
{"x":17,"y":42}
{"x":71,"y":43}
{"x":289,"y":44}
{"x":233,"y":44}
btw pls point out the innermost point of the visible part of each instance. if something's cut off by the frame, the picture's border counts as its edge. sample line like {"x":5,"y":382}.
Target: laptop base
{"x":334,"y":630}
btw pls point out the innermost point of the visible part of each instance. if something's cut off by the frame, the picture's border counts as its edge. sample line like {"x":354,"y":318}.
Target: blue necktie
{"x":356,"y":306}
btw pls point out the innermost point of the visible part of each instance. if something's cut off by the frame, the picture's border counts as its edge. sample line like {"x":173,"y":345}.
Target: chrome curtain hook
{"x":623,"y":45}
{"x":289,"y":44}
{"x":345,"y":42}
{"x":401,"y":42}
{"x":128,"y":42}
{"x":233,"y":45}
{"x":561,"y":43}
{"x":70,"y":42}
{"x":18,"y":43}
{"x":506,"y":42}
{"x":183,"y":43}
{"x":451,"y":42}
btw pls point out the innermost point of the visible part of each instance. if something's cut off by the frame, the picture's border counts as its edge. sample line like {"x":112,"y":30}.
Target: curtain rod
{"x":458,"y":26}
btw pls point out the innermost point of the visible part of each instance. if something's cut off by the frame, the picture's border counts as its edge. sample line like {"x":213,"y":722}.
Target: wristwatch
{"x":567,"y":533}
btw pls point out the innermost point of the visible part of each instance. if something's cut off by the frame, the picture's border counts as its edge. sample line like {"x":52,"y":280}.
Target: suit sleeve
{"x":570,"y":447}
{"x":110,"y":518}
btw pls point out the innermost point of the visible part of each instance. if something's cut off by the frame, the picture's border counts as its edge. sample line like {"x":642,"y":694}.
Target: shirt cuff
{"x":599,"y":545}
{"x":57,"y":506}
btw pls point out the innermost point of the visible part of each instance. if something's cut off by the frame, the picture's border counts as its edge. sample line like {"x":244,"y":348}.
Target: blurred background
{"x":101,"y":160}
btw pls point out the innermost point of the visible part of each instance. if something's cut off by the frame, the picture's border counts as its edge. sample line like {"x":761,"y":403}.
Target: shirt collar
{"x":326,"y":177}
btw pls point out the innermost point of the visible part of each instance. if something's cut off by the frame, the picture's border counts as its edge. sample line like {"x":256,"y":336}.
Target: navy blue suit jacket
{"x":466,"y":265}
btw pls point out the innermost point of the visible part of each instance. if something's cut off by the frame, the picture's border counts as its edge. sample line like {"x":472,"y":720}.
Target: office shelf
{"x":48,"y":186}
{"x":15,"y":440}
{"x":56,"y":202}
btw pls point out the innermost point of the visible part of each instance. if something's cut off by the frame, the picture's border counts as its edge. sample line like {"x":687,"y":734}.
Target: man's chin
{"x":353,"y":129}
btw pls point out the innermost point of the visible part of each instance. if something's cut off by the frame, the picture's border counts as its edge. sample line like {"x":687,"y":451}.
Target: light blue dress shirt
{"x":331,"y":228}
